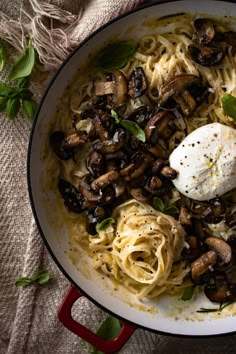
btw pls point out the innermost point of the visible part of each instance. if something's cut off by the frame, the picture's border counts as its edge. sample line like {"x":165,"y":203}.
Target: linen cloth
{"x":28,"y":316}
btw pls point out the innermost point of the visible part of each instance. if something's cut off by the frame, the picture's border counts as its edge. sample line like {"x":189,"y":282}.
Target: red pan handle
{"x":106,"y":346}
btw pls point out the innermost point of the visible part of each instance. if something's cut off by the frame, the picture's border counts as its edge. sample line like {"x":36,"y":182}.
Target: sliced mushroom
{"x":100,"y":130}
{"x":96,"y":164}
{"x":206,"y":56}
{"x":157,"y":125}
{"x":193,"y":251}
{"x":90,"y":195}
{"x":137,"y":167}
{"x":119,"y":187}
{"x":118,"y":88}
{"x":140,"y":194}
{"x":157,"y":165}
{"x":57,"y":145}
{"x":104,"y":180}
{"x":185,"y":216}
{"x":73,"y":199}
{"x":142,"y":114}
{"x":205,"y":30}
{"x":221,"y":291}
{"x":93,"y":217}
{"x":203,"y":263}
{"x":73,"y":140}
{"x":168,"y":172}
{"x":221,"y":248}
{"x":180,"y":88}
{"x":198,"y":229}
{"x":215,"y":212}
{"x":110,"y":146}
{"x":137,"y":84}
{"x":153,"y":185}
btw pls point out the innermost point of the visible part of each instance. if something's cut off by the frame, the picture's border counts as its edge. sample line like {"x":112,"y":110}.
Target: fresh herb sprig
{"x":229,"y":105}
{"x":188,"y":293}
{"x":114,"y":55}
{"x":217,"y":309}
{"x":16,"y":95}
{"x":41,"y":278}
{"x":108,"y":330}
{"x":104,"y":224}
{"x":3,"y":57}
{"x":160,"y":206}
{"x":129,"y":125}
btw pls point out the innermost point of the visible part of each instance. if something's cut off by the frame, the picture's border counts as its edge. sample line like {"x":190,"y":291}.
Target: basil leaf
{"x":24,"y":64}
{"x":23,"y":83}
{"x":3,"y":57}
{"x":30,"y":108}
{"x":105,"y":223}
{"x":229,"y":105}
{"x":134,"y":129}
{"x":25,"y":93}
{"x":171,"y":210}
{"x":188,"y":293}
{"x":115,"y":116}
{"x":109,"y":329}
{"x":158,"y":204}
{"x":114,"y":55}
{"x":5,"y":90}
{"x":12,"y":107}
{"x":3,"y":103}
{"x":41,"y":277}
{"x":23,"y":282}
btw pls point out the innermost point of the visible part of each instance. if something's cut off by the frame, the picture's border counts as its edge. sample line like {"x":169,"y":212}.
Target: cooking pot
{"x":169,"y":315}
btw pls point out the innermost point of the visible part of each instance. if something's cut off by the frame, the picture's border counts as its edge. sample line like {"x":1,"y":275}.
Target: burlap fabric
{"x":28,"y":316}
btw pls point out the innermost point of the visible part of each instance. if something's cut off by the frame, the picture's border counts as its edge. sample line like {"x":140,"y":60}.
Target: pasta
{"x":142,"y":248}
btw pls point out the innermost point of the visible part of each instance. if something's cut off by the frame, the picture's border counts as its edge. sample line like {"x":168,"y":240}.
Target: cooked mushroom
{"x":221,"y":248}
{"x":137,"y":167}
{"x":198,"y":229}
{"x":168,"y":172}
{"x":73,"y":140}
{"x":215,"y":211}
{"x":142,"y":114}
{"x":93,"y":217}
{"x":153,"y":184}
{"x":205,"y":30}
{"x":86,"y":190}
{"x":140,"y":194}
{"x":185,"y":216}
{"x":221,"y":291}
{"x":73,"y":199}
{"x":117,"y":87}
{"x":57,"y":145}
{"x":156,"y":125}
{"x":181,"y":88}
{"x":157,"y":165}
{"x":206,"y":56}
{"x":110,"y":146}
{"x":104,"y":180}
{"x":137,"y":84}
{"x":96,"y":164}
{"x":193,"y":251}
{"x":119,"y":187}
{"x":100,"y":130}
{"x":202,"y":264}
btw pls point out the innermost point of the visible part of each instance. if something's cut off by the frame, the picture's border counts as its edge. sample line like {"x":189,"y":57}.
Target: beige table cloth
{"x":28,"y":316}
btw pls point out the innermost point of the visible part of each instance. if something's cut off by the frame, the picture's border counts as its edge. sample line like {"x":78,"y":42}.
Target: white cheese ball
{"x":206,"y":162}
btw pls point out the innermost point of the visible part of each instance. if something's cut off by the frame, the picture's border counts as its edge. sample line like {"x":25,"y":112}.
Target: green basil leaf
{"x":108,"y":330}
{"x":171,"y":210}
{"x":3,"y":57}
{"x":23,"y":83}
{"x":3,"y":103}
{"x":158,"y":204}
{"x":30,"y":108}
{"x":115,"y":116}
{"x":5,"y":90}
{"x":114,"y":55}
{"x":104,"y":224}
{"x":134,"y":129}
{"x":23,"y":282}
{"x":25,"y":93}
{"x":24,"y":64}
{"x":229,"y":105}
{"x":12,"y":107}
{"x":41,"y":277}
{"x":188,"y":293}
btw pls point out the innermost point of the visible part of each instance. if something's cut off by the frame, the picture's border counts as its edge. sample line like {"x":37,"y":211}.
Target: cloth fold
{"x":28,"y":316}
